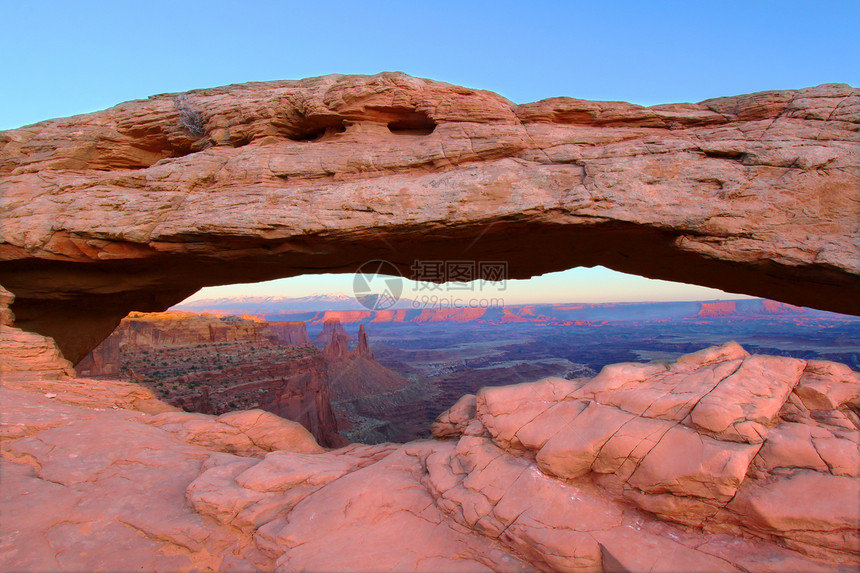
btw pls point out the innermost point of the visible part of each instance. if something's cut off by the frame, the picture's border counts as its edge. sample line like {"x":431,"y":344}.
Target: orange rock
{"x":785,"y":507}
{"x":27,"y":355}
{"x":607,"y":431}
{"x":742,"y":406}
{"x":828,"y":386}
{"x":271,"y":179}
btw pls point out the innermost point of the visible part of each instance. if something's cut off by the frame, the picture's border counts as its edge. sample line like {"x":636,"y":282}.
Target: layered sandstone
{"x":331,"y":328}
{"x":290,"y":333}
{"x":217,"y":364}
{"x":25,"y":355}
{"x":138,"y":206}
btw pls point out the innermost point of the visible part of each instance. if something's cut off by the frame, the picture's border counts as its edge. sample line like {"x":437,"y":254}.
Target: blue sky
{"x":65,"y":58}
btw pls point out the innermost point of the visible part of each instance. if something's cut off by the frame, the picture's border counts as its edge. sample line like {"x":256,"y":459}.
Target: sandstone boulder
{"x":741,"y":463}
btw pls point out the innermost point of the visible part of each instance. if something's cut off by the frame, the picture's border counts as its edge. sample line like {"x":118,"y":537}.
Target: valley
{"x":375,"y":377}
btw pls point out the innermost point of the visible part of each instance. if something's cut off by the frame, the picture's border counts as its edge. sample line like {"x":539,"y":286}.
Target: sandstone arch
{"x":133,"y":209}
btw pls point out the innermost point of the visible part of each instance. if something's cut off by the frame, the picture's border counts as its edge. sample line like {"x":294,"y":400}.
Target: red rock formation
{"x":363,"y":349}
{"x":26,"y":355}
{"x":373,"y":403}
{"x":7,"y":317}
{"x":330,"y":327}
{"x":718,"y":440}
{"x":717,"y":309}
{"x":774,"y":307}
{"x":211,"y":364}
{"x":719,"y":461}
{"x":290,"y":333}
{"x":754,"y":193}
{"x":338,"y":348}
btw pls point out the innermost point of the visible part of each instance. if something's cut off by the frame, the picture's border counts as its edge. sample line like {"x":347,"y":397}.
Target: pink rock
{"x":705,"y":183}
{"x":99,"y":475}
{"x":246,"y":433}
{"x":785,"y":507}
{"x":571,"y":452}
{"x":452,"y":422}
{"x":743,"y":405}
{"x":687,"y":464}
{"x":503,"y":410}
{"x":790,"y":445}
{"x":655,"y":553}
{"x":27,"y":355}
{"x":7,"y":318}
{"x":828,"y":385}
{"x":842,"y":456}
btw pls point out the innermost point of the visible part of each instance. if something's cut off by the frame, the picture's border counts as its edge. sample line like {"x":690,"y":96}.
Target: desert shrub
{"x":189,"y":118}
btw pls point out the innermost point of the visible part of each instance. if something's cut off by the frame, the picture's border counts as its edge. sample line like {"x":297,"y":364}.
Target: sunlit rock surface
{"x":138,"y":206}
{"x":719,"y":461}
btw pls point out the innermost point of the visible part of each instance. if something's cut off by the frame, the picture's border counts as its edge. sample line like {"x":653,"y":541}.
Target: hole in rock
{"x":376,"y":357}
{"x":413,"y":123}
{"x":726,"y":154}
{"x":314,"y":130}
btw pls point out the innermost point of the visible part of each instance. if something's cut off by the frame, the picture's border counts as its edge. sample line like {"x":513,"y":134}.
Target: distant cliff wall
{"x":217,"y":364}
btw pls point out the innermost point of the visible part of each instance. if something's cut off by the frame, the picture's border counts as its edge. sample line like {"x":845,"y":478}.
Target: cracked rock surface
{"x":719,"y":461}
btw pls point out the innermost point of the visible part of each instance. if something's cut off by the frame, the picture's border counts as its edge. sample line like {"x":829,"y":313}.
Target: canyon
{"x":716,"y":460}
{"x":214,"y":364}
{"x":375,"y":404}
{"x":427,"y":359}
{"x":218,"y":364}
{"x":446,"y":353}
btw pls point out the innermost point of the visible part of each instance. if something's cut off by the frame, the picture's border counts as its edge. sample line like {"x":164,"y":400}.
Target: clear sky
{"x":575,"y":285}
{"x":65,"y":58}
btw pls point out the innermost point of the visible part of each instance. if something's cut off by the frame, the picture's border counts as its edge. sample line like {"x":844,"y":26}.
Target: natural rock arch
{"x":138,"y":206}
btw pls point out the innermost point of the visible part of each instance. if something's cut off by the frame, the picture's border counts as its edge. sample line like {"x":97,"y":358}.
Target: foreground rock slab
{"x":682,"y":466}
{"x":139,"y":206}
{"x":724,"y":443}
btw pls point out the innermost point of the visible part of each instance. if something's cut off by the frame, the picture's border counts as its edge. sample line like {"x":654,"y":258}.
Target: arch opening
{"x":318,"y":354}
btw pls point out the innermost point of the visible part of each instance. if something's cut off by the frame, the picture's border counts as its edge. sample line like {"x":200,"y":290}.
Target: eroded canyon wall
{"x":218,"y":364}
{"x":373,"y":403}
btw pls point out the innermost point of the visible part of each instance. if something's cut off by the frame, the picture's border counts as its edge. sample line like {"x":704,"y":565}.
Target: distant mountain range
{"x":316,"y":309}
{"x":261,"y":305}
